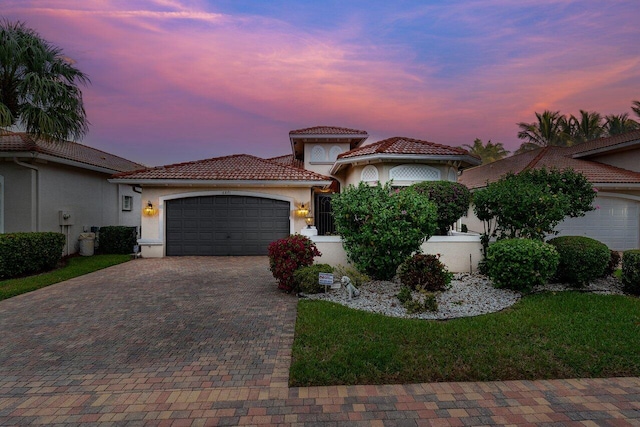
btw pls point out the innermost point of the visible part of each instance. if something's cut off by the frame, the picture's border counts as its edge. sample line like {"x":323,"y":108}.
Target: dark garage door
{"x":224,"y":225}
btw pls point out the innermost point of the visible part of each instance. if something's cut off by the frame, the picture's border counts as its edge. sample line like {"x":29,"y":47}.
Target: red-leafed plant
{"x":289,"y":254}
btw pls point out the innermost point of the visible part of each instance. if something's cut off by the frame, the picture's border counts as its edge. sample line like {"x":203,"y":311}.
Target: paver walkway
{"x":207,"y":341}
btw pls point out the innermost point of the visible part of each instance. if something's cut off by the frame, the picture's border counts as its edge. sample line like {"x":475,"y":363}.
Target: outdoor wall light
{"x":309,"y":219}
{"x":149,"y":210}
{"x":303,"y":210}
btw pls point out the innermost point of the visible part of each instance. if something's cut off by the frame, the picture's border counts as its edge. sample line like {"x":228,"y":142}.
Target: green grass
{"x":75,"y":267}
{"x":549,"y":335}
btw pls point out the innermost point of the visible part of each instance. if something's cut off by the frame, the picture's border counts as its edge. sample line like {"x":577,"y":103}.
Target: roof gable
{"x":328,"y":130}
{"x":238,"y":167}
{"x":12,"y":142}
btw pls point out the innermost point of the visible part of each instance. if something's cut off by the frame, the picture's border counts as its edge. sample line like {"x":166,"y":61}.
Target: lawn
{"x":74,"y":267}
{"x":548,"y":335}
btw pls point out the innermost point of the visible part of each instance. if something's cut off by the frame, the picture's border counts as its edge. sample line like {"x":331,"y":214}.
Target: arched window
{"x":453,"y":176}
{"x":318,"y":154}
{"x":369,"y":174}
{"x":334,"y":152}
{"x":414,"y":173}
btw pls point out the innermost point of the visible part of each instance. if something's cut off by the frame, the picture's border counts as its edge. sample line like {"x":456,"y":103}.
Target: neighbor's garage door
{"x":616,"y":223}
{"x":224,"y":225}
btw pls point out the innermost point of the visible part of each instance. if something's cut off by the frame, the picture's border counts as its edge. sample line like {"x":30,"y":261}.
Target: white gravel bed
{"x":469,"y":295}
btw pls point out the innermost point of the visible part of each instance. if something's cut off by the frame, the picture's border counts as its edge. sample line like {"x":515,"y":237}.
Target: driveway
{"x":207,"y":341}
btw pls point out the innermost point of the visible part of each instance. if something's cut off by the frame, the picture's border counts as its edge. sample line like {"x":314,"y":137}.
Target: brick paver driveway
{"x":207,"y":341}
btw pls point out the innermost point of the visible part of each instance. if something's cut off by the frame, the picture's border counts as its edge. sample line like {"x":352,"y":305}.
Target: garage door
{"x":616,"y":223}
{"x":224,"y":225}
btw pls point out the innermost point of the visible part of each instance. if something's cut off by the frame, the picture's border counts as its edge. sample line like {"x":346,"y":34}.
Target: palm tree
{"x":585,"y":128}
{"x":619,"y":123}
{"x":635,"y":106}
{"x":488,"y":153}
{"x":550,"y":129}
{"x":39,"y":86}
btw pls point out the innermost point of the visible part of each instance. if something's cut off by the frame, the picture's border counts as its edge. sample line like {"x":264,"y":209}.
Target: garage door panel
{"x":616,"y":223}
{"x":224,"y":225}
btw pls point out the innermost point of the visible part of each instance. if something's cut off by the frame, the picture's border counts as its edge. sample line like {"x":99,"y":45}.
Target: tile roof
{"x":549,"y":157}
{"x":402,"y":145}
{"x":288,"y":160}
{"x":21,"y":142}
{"x":328,"y":130}
{"x":238,"y":167}
{"x":609,"y":143}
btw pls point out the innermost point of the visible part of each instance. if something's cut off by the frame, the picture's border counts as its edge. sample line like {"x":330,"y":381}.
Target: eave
{"x":218,"y":183}
{"x":30,"y":155}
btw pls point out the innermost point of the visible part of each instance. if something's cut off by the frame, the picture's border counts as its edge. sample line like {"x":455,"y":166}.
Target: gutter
{"x":35,"y":208}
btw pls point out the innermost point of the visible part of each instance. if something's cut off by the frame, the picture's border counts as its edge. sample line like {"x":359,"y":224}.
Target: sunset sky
{"x":180,"y":80}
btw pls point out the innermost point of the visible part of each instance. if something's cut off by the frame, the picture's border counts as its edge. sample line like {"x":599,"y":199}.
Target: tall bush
{"x":582,"y":259}
{"x":26,"y":253}
{"x":289,"y":254}
{"x":117,"y":239}
{"x":451,"y":198}
{"x":521,"y":264}
{"x":381,"y":227}
{"x":631,"y":271}
{"x":532,"y":203}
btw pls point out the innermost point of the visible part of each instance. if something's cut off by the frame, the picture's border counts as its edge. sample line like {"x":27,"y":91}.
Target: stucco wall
{"x":87,"y":195}
{"x":460,"y":254}
{"x":354,"y":174}
{"x":627,"y":160}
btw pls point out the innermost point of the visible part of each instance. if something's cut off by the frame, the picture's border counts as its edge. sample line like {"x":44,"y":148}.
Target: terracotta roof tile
{"x":288,"y":160}
{"x":21,"y":142}
{"x":549,"y":157}
{"x":328,"y":130}
{"x":609,"y":143}
{"x":402,"y":145}
{"x":239,"y":167}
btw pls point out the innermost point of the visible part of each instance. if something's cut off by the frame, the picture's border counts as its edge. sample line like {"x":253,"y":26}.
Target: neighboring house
{"x":237,"y":205}
{"x":611,"y":164}
{"x":63,"y":187}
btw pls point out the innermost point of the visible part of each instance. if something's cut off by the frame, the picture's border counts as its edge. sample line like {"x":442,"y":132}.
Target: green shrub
{"x":404,"y":295}
{"x":381,"y":227}
{"x":424,"y":272}
{"x":582,"y":259}
{"x":451,"y":198}
{"x":521,"y":264}
{"x":305,"y":279}
{"x":631,"y":271}
{"x":614,"y":261}
{"x":27,"y":253}
{"x":289,"y":254}
{"x":117,"y":239}
{"x":357,"y":278}
{"x":427,"y":302}
{"x":532,"y":203}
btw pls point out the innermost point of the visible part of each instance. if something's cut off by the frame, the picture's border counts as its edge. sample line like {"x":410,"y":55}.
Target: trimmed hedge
{"x":27,"y":253}
{"x":117,"y":239}
{"x":631,"y":271}
{"x":582,"y":259}
{"x":306,"y":279}
{"x":521,"y":264}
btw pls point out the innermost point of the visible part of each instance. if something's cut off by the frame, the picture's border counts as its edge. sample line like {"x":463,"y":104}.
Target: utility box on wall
{"x":65,"y":218}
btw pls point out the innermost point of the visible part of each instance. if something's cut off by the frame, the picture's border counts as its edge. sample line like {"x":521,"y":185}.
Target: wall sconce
{"x":149,"y":210}
{"x":309,"y":219}
{"x":303,"y":210}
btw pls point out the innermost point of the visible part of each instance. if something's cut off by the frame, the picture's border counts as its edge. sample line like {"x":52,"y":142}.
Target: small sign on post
{"x":325,"y":279}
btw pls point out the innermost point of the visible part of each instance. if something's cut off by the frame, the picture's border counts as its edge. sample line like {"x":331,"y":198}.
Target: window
{"x":318,"y":154}
{"x":369,"y":174}
{"x":324,"y":215}
{"x":414,"y":173}
{"x":127,"y":202}
{"x":334,"y":153}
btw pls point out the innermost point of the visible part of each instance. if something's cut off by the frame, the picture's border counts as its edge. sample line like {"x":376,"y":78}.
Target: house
{"x":63,"y":187}
{"x":611,"y":164}
{"x":237,"y":205}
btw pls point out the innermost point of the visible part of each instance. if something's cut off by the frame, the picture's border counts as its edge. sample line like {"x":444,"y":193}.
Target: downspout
{"x":37,"y":198}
